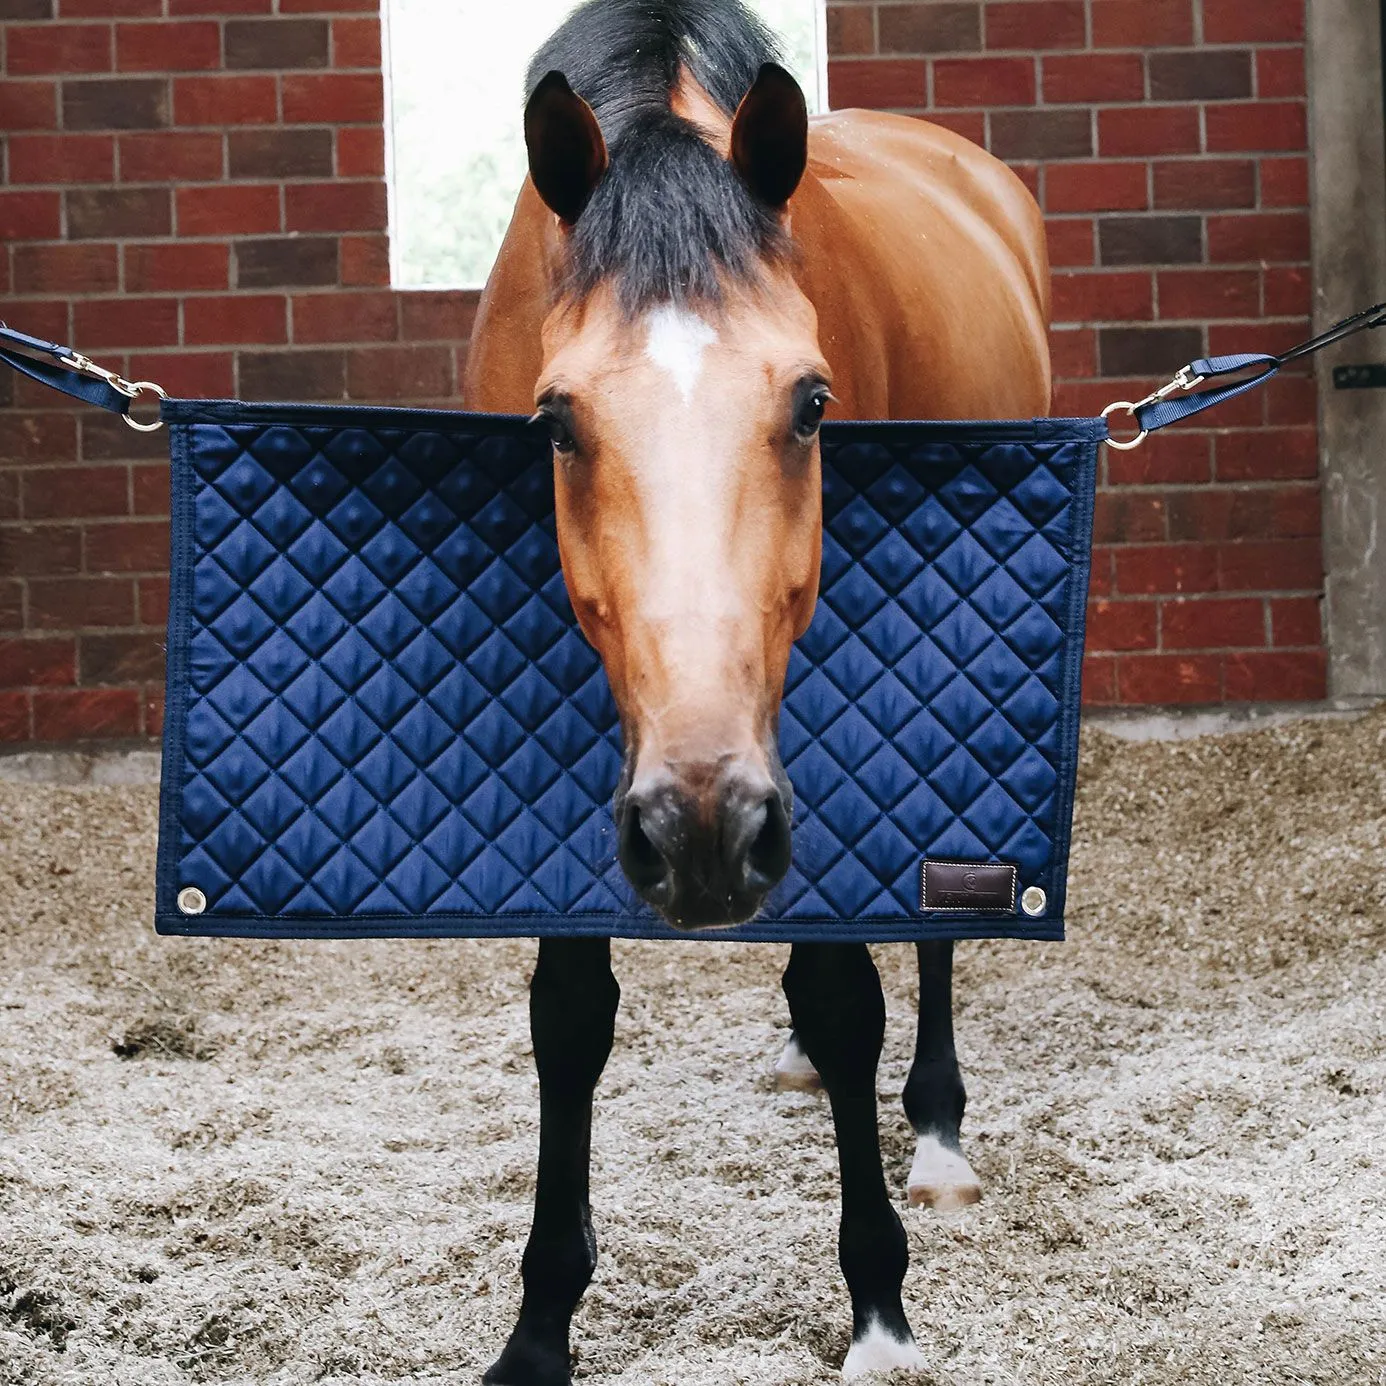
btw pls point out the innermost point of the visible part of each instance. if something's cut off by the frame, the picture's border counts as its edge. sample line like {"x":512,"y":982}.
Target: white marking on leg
{"x":879,"y":1350}
{"x":676,"y":344}
{"x":794,"y":1071}
{"x":942,"y":1178}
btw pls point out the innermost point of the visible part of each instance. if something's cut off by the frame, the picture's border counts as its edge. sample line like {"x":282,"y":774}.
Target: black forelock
{"x":671,"y":216}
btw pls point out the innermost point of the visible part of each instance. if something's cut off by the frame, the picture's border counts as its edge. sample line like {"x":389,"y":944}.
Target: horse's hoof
{"x":941,"y":1178}
{"x":527,"y":1363}
{"x":878,"y":1351}
{"x":794,"y":1072}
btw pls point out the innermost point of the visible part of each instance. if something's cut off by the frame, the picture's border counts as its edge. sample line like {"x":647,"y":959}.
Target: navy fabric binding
{"x":86,"y":388}
{"x":382,"y":719}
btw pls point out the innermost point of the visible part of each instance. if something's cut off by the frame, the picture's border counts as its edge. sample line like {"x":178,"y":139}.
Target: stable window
{"x":455,"y":78}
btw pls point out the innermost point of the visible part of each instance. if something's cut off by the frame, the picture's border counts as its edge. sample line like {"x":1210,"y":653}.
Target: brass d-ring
{"x":1134,"y":442}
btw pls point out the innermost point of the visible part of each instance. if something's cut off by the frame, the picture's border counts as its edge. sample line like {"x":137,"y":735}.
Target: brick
{"x":116,"y":103}
{"x":225,"y":100}
{"x":1201,"y":294}
{"x":111,"y":9}
{"x":26,"y":9}
{"x":1029,"y":174}
{"x":176,"y":266}
{"x":337,"y":98}
{"x":1161,"y":568}
{"x":851,"y":30}
{"x":1274,"y":565}
{"x":153,"y":599}
{"x":74,"y":714}
{"x":1155,"y":240}
{"x":1033,"y":24}
{"x":438,"y":315}
{"x":360,"y":152}
{"x":38,"y":661}
{"x":1256,"y":126}
{"x":127,"y":547}
{"x":9,"y":495}
{"x":154,"y":711}
{"x":126,"y":322}
{"x":149,"y":489}
{"x":132,"y":658}
{"x":1296,"y":621}
{"x":1142,"y":23}
{"x":61,"y":158}
{"x":1128,"y":517}
{"x":985,"y":82}
{"x":1121,"y":625}
{"x":61,"y":49}
{"x":1070,"y":240}
{"x":236,"y":320}
{"x":1155,"y":679}
{"x":189,"y":374}
{"x":98,"y":213}
{"x":1294,"y":400}
{"x":35,"y":551}
{"x":286,"y":262}
{"x":334,"y":6}
{"x":15,"y":718}
{"x":11,"y":604}
{"x":28,"y":105}
{"x":1073,"y":352}
{"x":878,"y":84}
{"x":1267,"y":21}
{"x":1263,"y":236}
{"x":1099,"y":681}
{"x":1094,"y":77}
{"x":1266,"y":454}
{"x":1212,"y":624}
{"x":1213,"y":184}
{"x":219,"y":7}
{"x":30,"y":216}
{"x":66,"y":603}
{"x":1288,"y":291}
{"x":170,"y":156}
{"x":1285,"y":182}
{"x":971,"y":125}
{"x":1099,"y":297}
{"x":356,"y":42}
{"x":1280,"y":72}
{"x":929,"y":29}
{"x":1277,"y":677}
{"x":1042,"y":134}
{"x":1147,"y":350}
{"x":182,"y":46}
{"x":41,"y":318}
{"x":1127,"y":131}
{"x":280,"y":153}
{"x":401,"y":372}
{"x":366,"y":261}
{"x":292,"y":375}
{"x":335,"y":207}
{"x":276,"y":44}
{"x":228,"y":210}
{"x":1218,"y":74}
{"x":106,"y":438}
{"x":46,"y":437}
{"x":346,"y":317}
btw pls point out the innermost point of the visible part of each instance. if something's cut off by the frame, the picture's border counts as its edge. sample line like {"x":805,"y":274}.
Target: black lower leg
{"x":572,"y":1011}
{"x":835,"y":1002}
{"x":934,"y":1095}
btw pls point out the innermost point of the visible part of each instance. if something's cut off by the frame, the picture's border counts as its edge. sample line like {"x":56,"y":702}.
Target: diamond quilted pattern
{"x":383,"y":720}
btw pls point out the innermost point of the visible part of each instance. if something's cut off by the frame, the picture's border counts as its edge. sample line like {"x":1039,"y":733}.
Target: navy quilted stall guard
{"x":383,"y":721}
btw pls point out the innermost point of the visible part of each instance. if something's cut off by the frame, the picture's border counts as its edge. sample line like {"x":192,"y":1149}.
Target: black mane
{"x":671,"y":215}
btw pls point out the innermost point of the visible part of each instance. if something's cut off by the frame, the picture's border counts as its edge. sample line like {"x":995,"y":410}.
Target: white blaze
{"x":676,"y":344}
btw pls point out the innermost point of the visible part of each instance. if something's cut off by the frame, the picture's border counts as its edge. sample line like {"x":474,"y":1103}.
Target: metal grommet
{"x":1033,"y":901}
{"x":191,"y":900}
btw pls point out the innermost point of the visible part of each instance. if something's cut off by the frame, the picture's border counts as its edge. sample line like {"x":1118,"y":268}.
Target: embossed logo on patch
{"x":983,"y":887}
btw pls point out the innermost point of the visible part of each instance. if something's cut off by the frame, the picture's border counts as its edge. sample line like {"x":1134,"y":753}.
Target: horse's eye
{"x":560,"y":434}
{"x":812,"y":400}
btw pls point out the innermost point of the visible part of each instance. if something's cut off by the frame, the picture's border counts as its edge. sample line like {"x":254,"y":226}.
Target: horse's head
{"x":683,"y":387}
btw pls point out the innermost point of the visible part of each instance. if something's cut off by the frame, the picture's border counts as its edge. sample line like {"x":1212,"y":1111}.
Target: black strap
{"x":1157,"y":412}
{"x":66,"y":377}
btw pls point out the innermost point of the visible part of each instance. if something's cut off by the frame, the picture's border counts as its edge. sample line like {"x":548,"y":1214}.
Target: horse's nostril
{"x":641,"y":860}
{"x":767,"y":857}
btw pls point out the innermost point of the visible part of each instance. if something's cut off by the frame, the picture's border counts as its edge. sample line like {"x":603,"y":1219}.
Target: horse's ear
{"x":567,"y":154}
{"x":769,"y":137}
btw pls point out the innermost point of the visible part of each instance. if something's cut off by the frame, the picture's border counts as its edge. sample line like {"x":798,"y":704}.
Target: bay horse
{"x":694,"y":273}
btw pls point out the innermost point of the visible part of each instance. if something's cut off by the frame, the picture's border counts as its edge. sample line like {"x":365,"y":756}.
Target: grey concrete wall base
{"x":1348,"y":193}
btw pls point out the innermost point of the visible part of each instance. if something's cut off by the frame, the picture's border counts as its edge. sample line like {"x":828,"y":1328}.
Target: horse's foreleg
{"x":934,"y":1095}
{"x":572,"y":1016}
{"x":835,"y":1002}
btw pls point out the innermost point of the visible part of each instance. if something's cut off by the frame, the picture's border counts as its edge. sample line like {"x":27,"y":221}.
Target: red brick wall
{"x":193,"y":192}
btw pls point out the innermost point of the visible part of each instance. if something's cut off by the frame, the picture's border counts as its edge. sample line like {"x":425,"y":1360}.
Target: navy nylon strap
{"x":64,"y":377}
{"x":1158,"y":411}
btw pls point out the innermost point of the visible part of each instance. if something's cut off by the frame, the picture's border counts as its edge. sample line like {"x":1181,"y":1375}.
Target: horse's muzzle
{"x":698,"y":868}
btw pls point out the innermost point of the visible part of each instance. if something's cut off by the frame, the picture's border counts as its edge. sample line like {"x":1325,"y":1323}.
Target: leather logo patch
{"x":987,"y":887}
